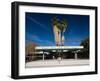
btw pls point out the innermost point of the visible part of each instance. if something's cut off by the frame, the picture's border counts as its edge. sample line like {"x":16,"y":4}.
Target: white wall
{"x":5,"y":40}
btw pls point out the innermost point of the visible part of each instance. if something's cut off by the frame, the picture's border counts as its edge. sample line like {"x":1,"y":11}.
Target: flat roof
{"x":57,"y":47}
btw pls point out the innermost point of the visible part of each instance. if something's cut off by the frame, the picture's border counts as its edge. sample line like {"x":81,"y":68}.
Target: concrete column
{"x":75,"y":55}
{"x":43,"y":55}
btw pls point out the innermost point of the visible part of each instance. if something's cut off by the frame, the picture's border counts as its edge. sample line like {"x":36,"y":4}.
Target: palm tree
{"x":56,"y":26}
{"x":59,"y":28}
{"x":64,"y":25}
{"x":55,"y":21}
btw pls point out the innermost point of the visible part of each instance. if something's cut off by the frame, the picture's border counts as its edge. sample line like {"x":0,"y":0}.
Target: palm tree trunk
{"x":62,"y":39}
{"x":56,"y":35}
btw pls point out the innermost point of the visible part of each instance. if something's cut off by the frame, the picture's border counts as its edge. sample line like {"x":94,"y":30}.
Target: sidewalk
{"x":51,"y":63}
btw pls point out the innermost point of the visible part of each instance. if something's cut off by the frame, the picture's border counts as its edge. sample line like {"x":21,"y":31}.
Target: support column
{"x":75,"y":55}
{"x":43,"y":55}
{"x":62,"y":54}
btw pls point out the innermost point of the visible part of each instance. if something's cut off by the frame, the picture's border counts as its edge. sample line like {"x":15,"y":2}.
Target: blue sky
{"x":39,"y":29}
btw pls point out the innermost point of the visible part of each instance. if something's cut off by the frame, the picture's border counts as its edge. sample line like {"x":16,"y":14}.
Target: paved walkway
{"x":51,"y":63}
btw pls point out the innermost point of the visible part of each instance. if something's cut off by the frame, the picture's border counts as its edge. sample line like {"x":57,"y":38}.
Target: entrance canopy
{"x":58,"y":47}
